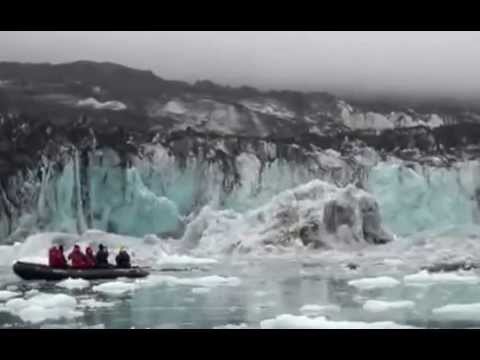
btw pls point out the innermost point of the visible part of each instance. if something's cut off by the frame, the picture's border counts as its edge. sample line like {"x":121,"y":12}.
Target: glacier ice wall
{"x":172,"y":192}
{"x":158,"y":192}
{"x":415,"y":198}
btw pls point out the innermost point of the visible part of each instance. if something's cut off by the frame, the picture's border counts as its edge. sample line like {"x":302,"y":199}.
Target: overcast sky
{"x":446,"y":63}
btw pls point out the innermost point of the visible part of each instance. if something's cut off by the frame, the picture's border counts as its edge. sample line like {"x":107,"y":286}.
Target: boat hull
{"x":30,"y":271}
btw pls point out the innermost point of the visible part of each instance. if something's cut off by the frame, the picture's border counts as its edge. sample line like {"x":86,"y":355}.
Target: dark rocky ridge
{"x":39,"y":114}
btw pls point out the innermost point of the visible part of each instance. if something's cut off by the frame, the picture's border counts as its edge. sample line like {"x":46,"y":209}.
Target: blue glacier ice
{"x":425,"y":198}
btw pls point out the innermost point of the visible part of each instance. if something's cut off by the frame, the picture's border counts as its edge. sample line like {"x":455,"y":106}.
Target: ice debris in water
{"x":115,"y":288}
{"x":43,"y":307}
{"x":231,"y":326}
{"x":72,"y":284}
{"x":374,"y":283}
{"x":206,"y":281}
{"x":315,"y":310}
{"x":459,"y":311}
{"x":288,"y":321}
{"x":6,"y":295}
{"x":184,"y":260}
{"x":424,"y":278}
{"x":201,"y":290}
{"x":381,"y":306}
{"x":92,"y":303}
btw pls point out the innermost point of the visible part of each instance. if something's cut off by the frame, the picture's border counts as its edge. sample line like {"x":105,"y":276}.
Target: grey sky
{"x":445,"y":63}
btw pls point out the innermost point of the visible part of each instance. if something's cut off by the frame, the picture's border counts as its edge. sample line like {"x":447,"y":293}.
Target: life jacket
{"x":53,"y":257}
{"x":79,"y":260}
{"x":90,"y":257}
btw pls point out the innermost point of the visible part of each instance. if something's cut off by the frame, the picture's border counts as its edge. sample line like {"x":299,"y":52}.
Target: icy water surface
{"x":247,"y":293}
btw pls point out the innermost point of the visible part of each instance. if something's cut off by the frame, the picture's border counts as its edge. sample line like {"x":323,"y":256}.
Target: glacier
{"x":255,"y":191}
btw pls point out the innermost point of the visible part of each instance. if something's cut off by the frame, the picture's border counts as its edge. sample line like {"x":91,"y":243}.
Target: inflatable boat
{"x":30,"y":271}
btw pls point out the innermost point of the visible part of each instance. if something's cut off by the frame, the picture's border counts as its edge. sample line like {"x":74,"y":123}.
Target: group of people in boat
{"x":87,"y":260}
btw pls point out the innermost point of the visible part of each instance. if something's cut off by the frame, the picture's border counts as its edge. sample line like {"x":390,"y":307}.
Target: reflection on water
{"x":267,"y":289}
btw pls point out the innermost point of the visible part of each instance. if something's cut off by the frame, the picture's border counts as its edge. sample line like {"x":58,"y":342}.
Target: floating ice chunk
{"x":43,"y":307}
{"x":92,"y":303}
{"x":381,"y":306}
{"x":374,"y":283}
{"x":424,"y":278}
{"x":315,"y":310}
{"x":115,"y":288}
{"x":206,"y":281}
{"x":231,"y":326}
{"x":201,"y":290}
{"x":288,"y":321}
{"x":53,"y":300}
{"x":72,"y":284}
{"x":36,"y":313}
{"x":15,"y":305}
{"x":260,"y":293}
{"x":459,"y":311}
{"x":6,"y":295}
{"x":184,"y":260}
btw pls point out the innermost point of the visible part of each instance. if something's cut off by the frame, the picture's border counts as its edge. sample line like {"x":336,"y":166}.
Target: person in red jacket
{"x":53,"y":257}
{"x":56,"y":259}
{"x":90,"y":257}
{"x":79,"y":260}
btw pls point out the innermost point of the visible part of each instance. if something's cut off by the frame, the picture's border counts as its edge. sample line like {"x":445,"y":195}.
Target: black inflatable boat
{"x":30,"y":271}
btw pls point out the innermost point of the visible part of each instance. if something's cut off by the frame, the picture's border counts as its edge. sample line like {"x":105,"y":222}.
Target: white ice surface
{"x":381,"y":306}
{"x":231,"y":326}
{"x":288,"y":321}
{"x":374,"y":283}
{"x":201,"y":290}
{"x":424,"y":278}
{"x":316,"y":310}
{"x":108,"y":105}
{"x":43,"y":307}
{"x":92,"y":303}
{"x":183,"y":260}
{"x":6,"y":295}
{"x":459,"y":311}
{"x":115,"y":288}
{"x":206,"y":281}
{"x":72,"y":284}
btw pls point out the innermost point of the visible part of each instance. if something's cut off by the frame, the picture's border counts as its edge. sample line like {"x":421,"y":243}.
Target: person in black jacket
{"x":123,"y":259}
{"x":101,"y":258}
